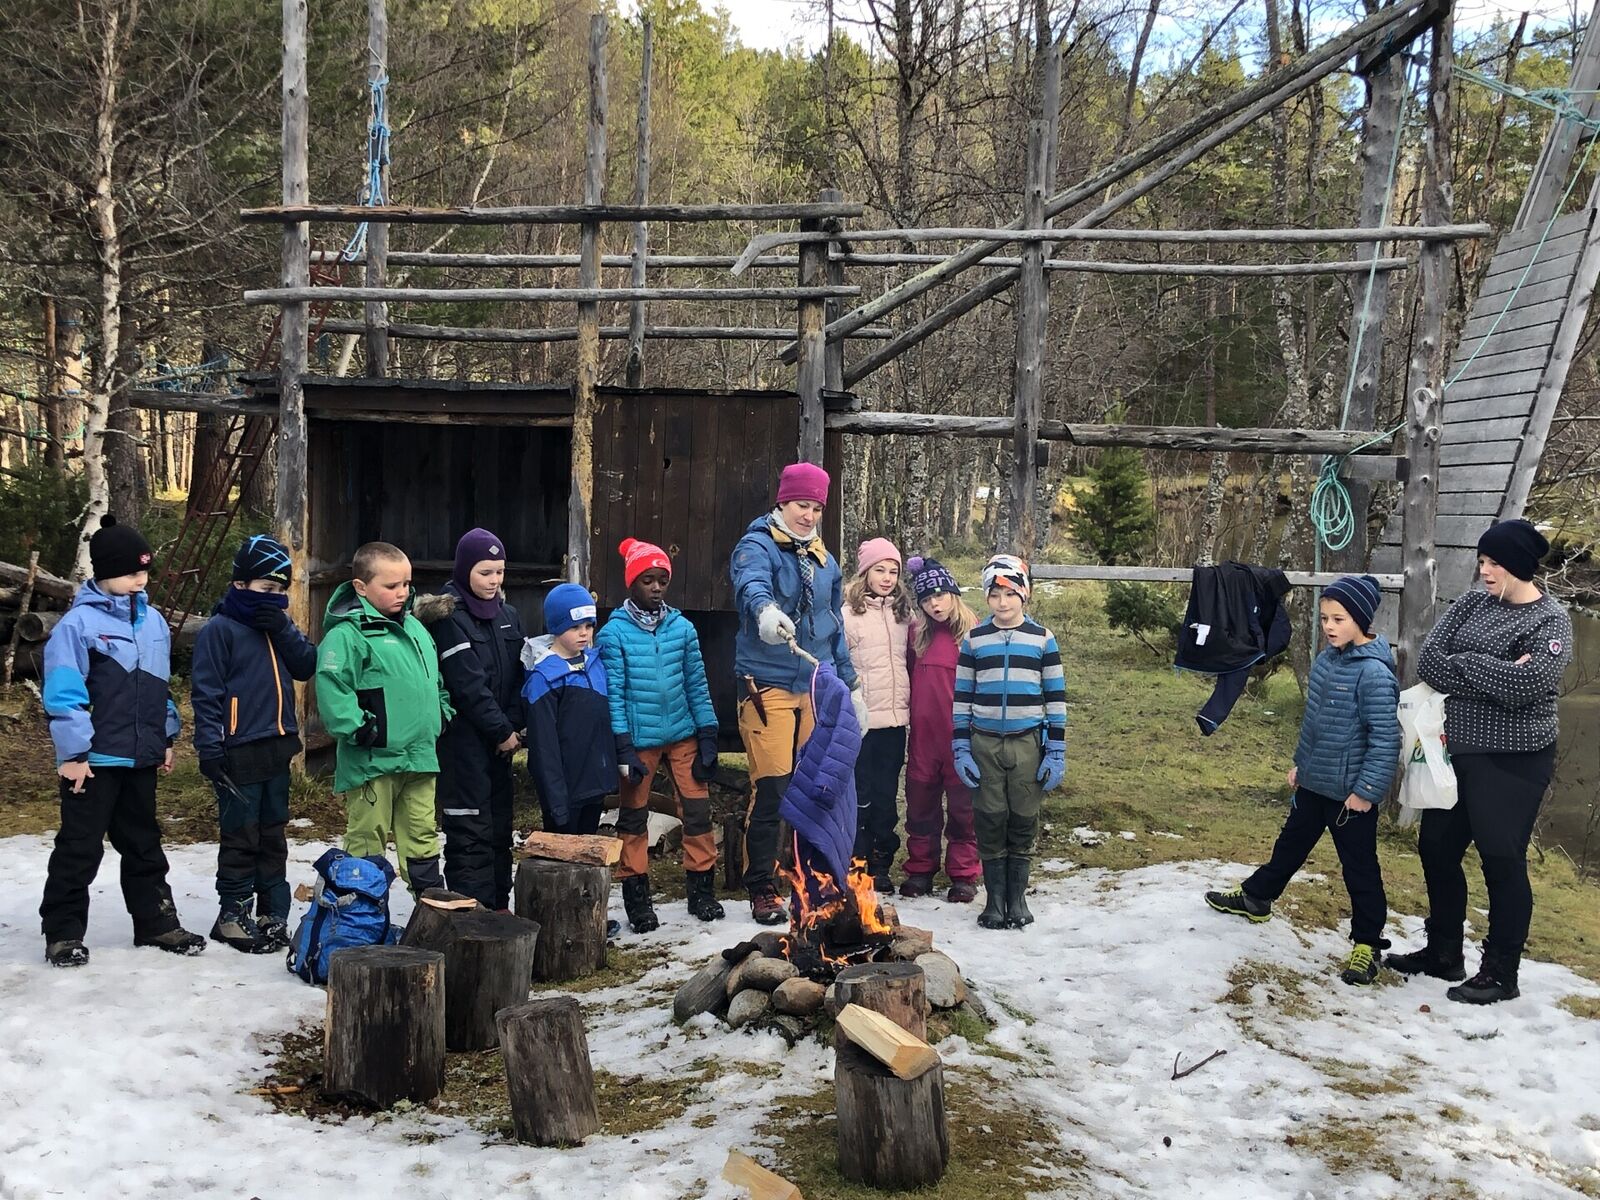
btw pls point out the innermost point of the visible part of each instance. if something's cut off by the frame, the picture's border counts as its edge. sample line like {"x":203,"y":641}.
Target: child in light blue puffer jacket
{"x":1347,"y":756}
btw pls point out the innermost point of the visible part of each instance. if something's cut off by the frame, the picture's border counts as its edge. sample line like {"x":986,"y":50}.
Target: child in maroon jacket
{"x":930,"y":767}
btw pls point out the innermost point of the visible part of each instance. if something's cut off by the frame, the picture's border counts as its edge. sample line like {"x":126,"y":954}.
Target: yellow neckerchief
{"x":783,"y":537}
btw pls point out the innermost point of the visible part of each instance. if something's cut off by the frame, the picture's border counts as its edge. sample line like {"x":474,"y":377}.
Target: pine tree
{"x":1116,"y":519}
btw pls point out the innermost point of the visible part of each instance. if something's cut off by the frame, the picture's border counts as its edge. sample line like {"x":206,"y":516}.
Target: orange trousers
{"x":694,"y":810}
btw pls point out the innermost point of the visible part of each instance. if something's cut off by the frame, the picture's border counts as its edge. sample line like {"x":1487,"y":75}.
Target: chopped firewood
{"x":279,"y":1089}
{"x":588,"y":848}
{"x":745,"y":1172}
{"x":302,"y":893}
{"x":903,"y":1052}
{"x":456,"y":905}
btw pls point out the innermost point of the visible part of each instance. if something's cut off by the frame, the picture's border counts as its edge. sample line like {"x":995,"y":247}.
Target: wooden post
{"x":1425,"y":375}
{"x":376,"y":311}
{"x":1380,"y":136}
{"x":384,"y":1034}
{"x":811,"y":368}
{"x":1033,"y":315}
{"x":891,"y":1131}
{"x":568,"y":900}
{"x":895,"y":989}
{"x":641,"y":193}
{"x":22,"y":612}
{"x":289,"y":517}
{"x":585,"y":388}
{"x":488,"y":961}
{"x":833,"y":352}
{"x":1565,"y":136}
{"x":548,"y":1074}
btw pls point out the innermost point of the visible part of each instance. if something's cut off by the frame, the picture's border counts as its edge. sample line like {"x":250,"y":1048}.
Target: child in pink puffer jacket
{"x":877,"y":619}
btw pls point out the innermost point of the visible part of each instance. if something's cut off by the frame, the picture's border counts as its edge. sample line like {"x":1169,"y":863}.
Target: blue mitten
{"x":1054,"y":766}
{"x":966,"y":765}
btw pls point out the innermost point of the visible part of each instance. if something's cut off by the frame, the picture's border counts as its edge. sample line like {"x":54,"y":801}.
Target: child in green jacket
{"x":381,"y":699}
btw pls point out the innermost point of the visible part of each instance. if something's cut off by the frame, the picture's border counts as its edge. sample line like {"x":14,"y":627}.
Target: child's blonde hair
{"x":960,"y":624}
{"x":855,"y":595}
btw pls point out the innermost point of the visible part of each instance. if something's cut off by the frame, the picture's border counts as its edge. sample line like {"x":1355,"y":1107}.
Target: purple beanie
{"x":803,"y":481}
{"x":476,"y":546}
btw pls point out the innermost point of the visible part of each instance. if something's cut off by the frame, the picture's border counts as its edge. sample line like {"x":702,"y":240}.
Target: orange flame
{"x":858,"y":894}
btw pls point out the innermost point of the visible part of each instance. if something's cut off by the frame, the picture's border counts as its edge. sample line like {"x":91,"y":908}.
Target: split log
{"x":891,"y":1131}
{"x":745,"y":1172}
{"x":488,"y":962}
{"x":906,"y":1054}
{"x":586,"y":848}
{"x":568,"y":901}
{"x":895,"y":989}
{"x":548,"y":1074}
{"x":383,"y":1039}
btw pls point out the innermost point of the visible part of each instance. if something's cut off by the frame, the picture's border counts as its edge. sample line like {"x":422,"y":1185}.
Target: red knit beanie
{"x":638,"y":557}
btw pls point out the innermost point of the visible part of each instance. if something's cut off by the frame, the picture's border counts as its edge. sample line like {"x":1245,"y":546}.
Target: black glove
{"x":628,"y":760}
{"x":704,"y":767}
{"x":270,"y":620}
{"x":213,"y":769}
{"x":367,"y":735}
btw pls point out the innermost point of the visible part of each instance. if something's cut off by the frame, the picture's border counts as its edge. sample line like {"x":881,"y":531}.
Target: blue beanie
{"x":1360,"y":595}
{"x":568,"y":604}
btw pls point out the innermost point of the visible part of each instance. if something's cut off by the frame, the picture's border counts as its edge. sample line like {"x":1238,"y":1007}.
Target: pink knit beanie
{"x":803,"y":481}
{"x":874,"y":551}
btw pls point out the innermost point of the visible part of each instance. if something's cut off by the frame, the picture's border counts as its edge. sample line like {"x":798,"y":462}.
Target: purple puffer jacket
{"x":820,"y":803}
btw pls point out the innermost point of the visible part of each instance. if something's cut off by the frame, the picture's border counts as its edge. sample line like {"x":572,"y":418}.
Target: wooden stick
{"x":586,"y":376}
{"x":545,"y":214}
{"x":580,"y":295}
{"x":794,"y":648}
{"x":745,"y":1172}
{"x":22,"y":611}
{"x":641,"y":193}
{"x":1177,"y":1074}
{"x":279,"y":1089}
{"x":903,"y":1052}
{"x":1078,"y":574}
{"x":588,"y":848}
{"x":484,"y":333}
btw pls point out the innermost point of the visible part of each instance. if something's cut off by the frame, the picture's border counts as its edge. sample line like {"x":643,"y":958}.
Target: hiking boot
{"x":993,"y":915}
{"x":766,"y":908}
{"x":1017,"y":914}
{"x":883,"y":882}
{"x":69,"y":952}
{"x":173,"y":941}
{"x":274,"y":933}
{"x":1241,"y":904}
{"x":917,"y":885}
{"x":1441,"y":962}
{"x":703,"y":903}
{"x":636,"y":903}
{"x":962,"y":891}
{"x":1495,"y":981}
{"x":1362,"y":965}
{"x":234,"y":927}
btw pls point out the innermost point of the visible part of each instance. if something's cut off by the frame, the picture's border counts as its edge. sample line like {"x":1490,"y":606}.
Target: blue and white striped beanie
{"x":1360,"y":595}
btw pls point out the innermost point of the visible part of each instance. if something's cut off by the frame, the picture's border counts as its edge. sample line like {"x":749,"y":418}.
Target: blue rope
{"x":378,"y":133}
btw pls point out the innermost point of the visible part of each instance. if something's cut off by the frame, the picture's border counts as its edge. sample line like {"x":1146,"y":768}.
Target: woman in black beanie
{"x":1499,"y":655}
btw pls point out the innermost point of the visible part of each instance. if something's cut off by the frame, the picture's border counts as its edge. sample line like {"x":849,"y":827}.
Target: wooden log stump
{"x":568,"y":901}
{"x":548,"y":1075}
{"x":488,"y":960}
{"x":895,"y":989}
{"x":891,"y":1131}
{"x":383,"y":1039}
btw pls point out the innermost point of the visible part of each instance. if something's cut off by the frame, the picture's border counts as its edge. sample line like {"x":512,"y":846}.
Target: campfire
{"x":833,"y":926}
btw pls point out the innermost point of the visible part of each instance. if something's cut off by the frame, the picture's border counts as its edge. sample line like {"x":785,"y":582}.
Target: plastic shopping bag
{"x":1427,"y":780}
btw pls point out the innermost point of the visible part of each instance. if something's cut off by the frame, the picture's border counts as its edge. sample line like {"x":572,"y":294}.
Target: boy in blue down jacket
{"x":1350,"y":748}
{"x":246,"y":662}
{"x":106,"y":677}
{"x":660,"y":711}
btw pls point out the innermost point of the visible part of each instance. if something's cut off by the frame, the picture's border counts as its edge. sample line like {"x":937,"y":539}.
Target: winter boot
{"x":1241,"y":904}
{"x":68,"y":953}
{"x":1495,"y":981}
{"x":1017,"y":914}
{"x":917,"y":885}
{"x":235,"y":927}
{"x":173,"y":941}
{"x":766,"y":908}
{"x":962,"y":891}
{"x":1441,"y":958}
{"x":274,"y":933}
{"x":993,"y":915}
{"x":703,"y":901}
{"x":1362,"y":965}
{"x":636,"y":903}
{"x":882,"y":881}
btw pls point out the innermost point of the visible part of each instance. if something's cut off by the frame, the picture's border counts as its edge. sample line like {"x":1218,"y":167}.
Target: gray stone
{"x":760,"y":972}
{"x":942,"y":980}
{"x":704,"y":991}
{"x":770,"y":943}
{"x":830,"y":1000}
{"x":909,"y":942}
{"x":749,"y":1005}
{"x":798,"y":997}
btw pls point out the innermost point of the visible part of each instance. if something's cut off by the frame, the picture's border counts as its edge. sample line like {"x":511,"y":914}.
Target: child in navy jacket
{"x":246,"y":662}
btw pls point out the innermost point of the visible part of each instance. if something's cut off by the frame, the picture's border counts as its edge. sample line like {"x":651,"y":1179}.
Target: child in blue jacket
{"x":1347,"y":756}
{"x":246,"y":662}
{"x":660,"y":712}
{"x":572,"y":754}
{"x":106,"y":678}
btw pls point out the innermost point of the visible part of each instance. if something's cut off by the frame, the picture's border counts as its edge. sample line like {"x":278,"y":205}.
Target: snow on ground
{"x":130,"y":1078}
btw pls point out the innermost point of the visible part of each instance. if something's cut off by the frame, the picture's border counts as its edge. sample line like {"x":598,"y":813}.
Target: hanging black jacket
{"x":1235,"y":619}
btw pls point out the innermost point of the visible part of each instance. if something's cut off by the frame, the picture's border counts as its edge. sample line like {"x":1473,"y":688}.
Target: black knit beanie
{"x":117,"y":550}
{"x":1516,"y":545}
{"x":262,"y":557}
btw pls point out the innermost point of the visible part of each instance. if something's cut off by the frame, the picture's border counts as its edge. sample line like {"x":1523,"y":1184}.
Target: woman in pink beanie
{"x":788,"y":589}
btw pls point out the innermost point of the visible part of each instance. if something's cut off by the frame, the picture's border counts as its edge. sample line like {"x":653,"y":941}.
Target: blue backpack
{"x":350,"y":907}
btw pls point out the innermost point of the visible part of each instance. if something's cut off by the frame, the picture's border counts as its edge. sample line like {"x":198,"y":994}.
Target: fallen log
{"x":587,"y":848}
{"x":36,"y":626}
{"x":44,"y":584}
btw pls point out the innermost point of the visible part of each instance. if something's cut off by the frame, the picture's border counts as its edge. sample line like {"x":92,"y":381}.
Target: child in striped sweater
{"x":1010,"y":735}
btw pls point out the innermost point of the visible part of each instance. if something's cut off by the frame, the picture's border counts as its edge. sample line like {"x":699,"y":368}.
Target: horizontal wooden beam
{"x":1069,"y":574}
{"x":763,"y":243}
{"x":404,"y":295}
{"x":473,"y":333}
{"x":545,"y":214}
{"x":200,"y":402}
{"x":242,"y":406}
{"x":1149,"y":437}
{"x":516,"y":572}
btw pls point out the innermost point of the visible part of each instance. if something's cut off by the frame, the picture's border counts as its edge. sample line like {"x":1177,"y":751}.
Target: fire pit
{"x":833,"y":925}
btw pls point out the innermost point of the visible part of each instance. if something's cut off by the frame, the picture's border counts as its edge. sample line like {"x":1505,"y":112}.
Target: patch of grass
{"x":958,"y":1022}
{"x":1353,"y":1079}
{"x":1283,"y":989}
{"x":1582,"y":1006}
{"x":623,"y":967}
{"x":1349,"y":1144}
{"x":632,"y":1104}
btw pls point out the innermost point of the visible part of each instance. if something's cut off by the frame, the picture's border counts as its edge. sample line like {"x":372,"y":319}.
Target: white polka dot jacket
{"x":1497,"y":704}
